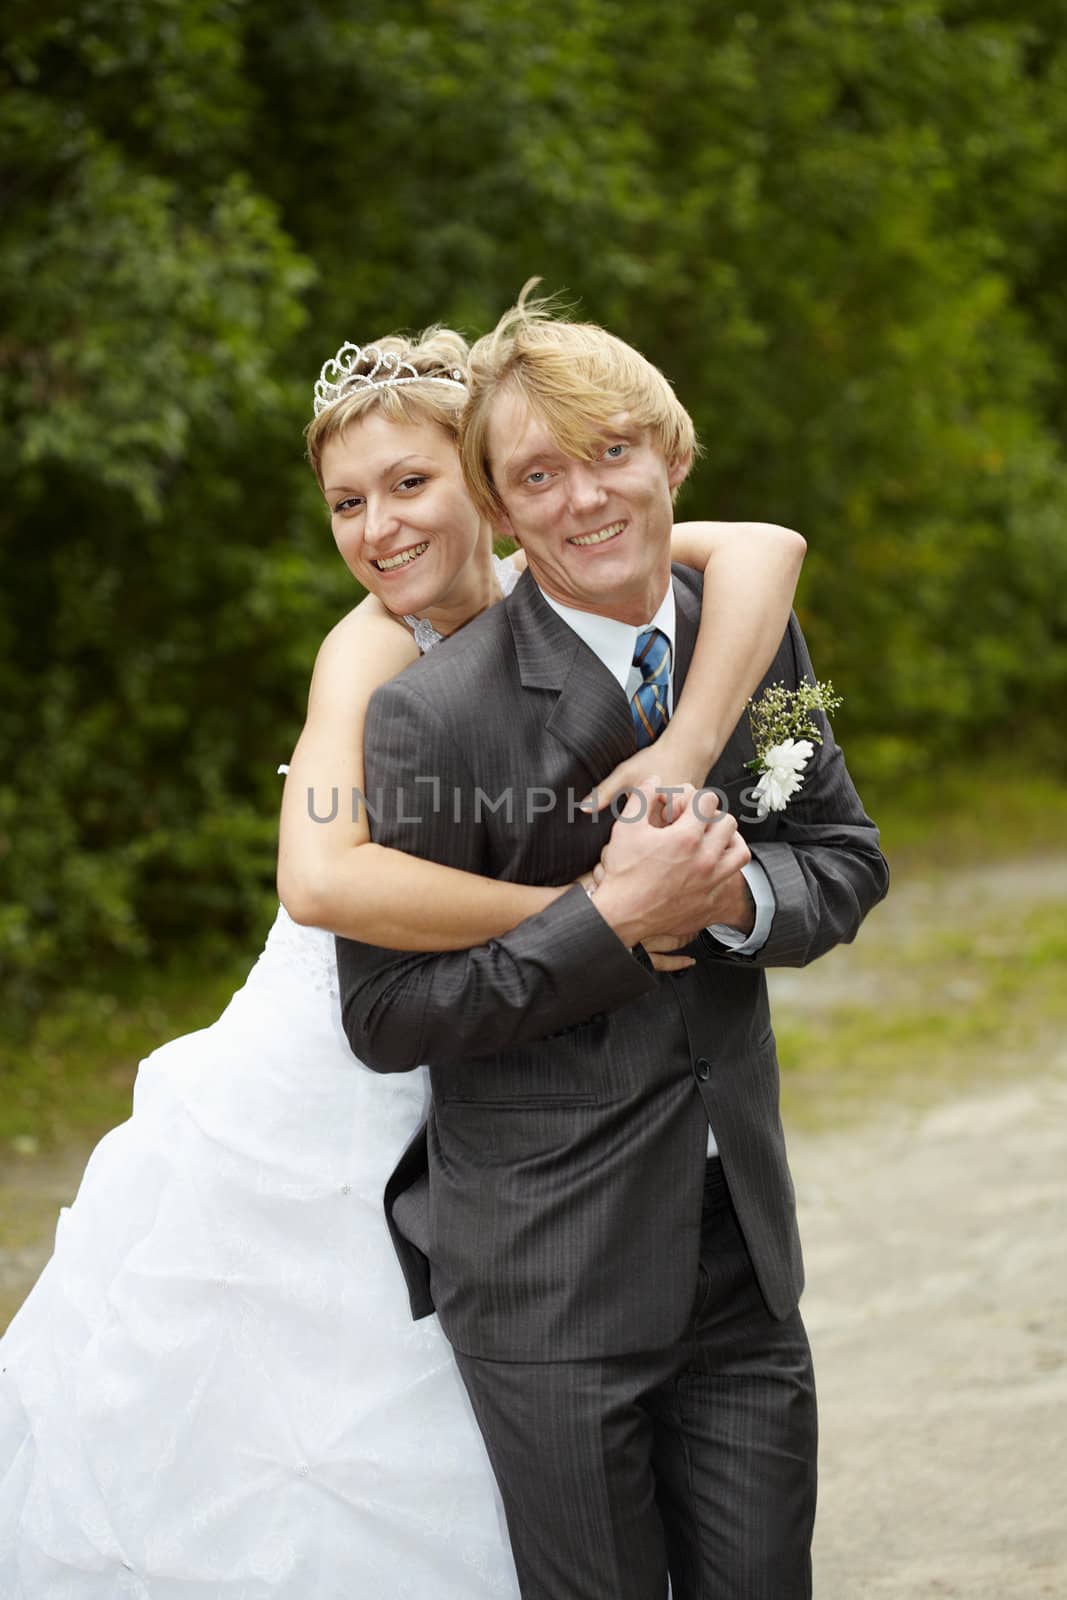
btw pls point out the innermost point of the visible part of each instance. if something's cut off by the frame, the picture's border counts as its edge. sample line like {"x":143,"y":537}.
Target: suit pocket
{"x":474,"y":1136}
{"x":565,"y":1072}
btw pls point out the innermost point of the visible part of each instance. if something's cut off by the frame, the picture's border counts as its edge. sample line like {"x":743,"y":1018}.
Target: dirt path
{"x":936,"y":1251}
{"x":937,"y":1309}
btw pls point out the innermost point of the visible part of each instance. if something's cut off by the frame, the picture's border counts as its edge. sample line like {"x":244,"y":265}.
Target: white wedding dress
{"x":215,"y":1388}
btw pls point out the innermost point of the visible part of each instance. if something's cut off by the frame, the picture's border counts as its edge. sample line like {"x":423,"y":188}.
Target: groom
{"x":600,"y":1208}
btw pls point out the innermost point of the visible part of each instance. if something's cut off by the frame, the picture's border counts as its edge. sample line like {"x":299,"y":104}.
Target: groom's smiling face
{"x":596,"y":532}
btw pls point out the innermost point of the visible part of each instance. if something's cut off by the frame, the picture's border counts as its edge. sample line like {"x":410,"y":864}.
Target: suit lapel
{"x":591,"y":715}
{"x":739,"y":747}
{"x":686,"y":623}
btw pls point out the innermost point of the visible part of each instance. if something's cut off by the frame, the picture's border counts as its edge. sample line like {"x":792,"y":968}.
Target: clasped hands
{"x":672,"y":865}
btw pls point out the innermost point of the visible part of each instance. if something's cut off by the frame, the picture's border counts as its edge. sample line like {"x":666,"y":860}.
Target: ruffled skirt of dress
{"x":215,"y":1389}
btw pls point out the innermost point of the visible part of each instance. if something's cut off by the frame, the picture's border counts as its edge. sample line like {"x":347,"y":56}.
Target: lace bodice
{"x":426,"y":635}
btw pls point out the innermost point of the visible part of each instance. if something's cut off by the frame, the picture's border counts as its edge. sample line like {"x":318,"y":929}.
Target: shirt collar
{"x":613,"y":642}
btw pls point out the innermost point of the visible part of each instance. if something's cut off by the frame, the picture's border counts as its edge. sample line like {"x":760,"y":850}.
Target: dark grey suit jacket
{"x":561,"y":1168}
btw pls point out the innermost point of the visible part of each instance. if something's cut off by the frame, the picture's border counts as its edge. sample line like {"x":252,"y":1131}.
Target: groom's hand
{"x":734,"y":907}
{"x":665,"y":863}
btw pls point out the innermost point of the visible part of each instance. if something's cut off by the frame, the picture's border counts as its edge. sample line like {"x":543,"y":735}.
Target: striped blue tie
{"x":652,"y":653}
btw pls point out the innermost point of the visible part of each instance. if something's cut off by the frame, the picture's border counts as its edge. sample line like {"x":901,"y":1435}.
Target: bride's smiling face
{"x":400,"y":513}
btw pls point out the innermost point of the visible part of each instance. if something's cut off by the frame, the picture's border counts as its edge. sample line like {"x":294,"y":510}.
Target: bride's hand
{"x":672,"y":760}
{"x":659,"y":951}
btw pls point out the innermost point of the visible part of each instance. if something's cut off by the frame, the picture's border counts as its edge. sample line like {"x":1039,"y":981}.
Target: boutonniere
{"x":785,"y":734}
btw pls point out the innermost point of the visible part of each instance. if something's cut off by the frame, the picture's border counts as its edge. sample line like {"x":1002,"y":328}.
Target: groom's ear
{"x":678,"y":471}
{"x":502,"y":525}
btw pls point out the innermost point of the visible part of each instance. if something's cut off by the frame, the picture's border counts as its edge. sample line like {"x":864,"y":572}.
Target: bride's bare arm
{"x":750,"y":576}
{"x":330,"y":873}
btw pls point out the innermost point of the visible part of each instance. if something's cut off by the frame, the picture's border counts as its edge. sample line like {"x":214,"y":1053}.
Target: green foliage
{"x":837,"y":225}
{"x":782,"y":713}
{"x":145,"y":319}
{"x":933,"y":1010}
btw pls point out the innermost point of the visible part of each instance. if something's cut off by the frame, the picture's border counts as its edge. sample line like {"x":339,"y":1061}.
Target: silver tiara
{"x":389,"y":371}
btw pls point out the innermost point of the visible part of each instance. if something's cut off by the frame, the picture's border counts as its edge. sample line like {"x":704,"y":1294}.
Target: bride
{"x":215,"y":1388}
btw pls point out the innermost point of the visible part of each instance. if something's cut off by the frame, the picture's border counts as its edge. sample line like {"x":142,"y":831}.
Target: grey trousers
{"x":698,"y":1461}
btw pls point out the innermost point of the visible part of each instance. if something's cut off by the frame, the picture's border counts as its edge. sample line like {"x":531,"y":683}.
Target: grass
{"x":949,"y":989}
{"x":73,"y":1076}
{"x":946,"y":1009}
{"x":962,"y":817}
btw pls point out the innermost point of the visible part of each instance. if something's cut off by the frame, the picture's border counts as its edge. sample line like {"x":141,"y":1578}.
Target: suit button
{"x":703,"y":1069}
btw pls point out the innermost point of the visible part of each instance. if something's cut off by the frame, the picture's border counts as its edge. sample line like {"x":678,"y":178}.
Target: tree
{"x":145,"y":315}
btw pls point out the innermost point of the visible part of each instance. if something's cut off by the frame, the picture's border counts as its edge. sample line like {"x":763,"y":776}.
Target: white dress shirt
{"x":613,"y":643}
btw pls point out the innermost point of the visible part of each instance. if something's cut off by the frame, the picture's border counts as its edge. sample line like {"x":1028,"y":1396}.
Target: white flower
{"x":782,"y":765}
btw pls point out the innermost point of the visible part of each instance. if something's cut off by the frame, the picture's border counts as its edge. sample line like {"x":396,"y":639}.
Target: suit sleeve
{"x":553,"y":972}
{"x":824,"y":865}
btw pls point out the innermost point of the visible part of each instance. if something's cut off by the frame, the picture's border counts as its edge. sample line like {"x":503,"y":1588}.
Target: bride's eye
{"x":351,"y":503}
{"x":414,"y":482}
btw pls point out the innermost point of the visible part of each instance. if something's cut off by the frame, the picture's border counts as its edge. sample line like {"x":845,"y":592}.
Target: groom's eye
{"x":536,"y":477}
{"x":616,"y":451}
